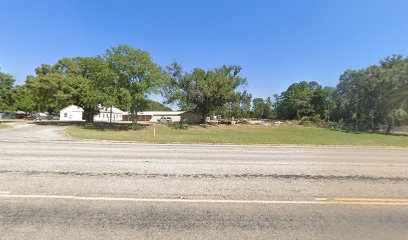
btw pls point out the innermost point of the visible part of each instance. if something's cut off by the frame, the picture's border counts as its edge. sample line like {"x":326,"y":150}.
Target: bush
{"x":179,"y":126}
{"x":311,"y":120}
{"x":315,"y":118}
{"x":136,"y":127}
{"x":336,"y":125}
{"x":305,"y":121}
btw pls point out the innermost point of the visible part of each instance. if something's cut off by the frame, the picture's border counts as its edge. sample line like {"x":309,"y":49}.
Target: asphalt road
{"x":52,"y":187}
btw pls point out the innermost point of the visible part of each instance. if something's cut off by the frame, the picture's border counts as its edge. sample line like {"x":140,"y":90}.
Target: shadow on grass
{"x":101,"y":126}
{"x":371,"y":132}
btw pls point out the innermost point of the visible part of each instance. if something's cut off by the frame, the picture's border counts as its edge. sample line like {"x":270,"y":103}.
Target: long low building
{"x":75,"y":113}
{"x":152,"y":116}
{"x":176,"y":116}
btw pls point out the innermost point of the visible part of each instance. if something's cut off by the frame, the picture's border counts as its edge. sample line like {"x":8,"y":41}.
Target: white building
{"x":75,"y":113}
{"x":71,"y":113}
{"x":105,"y":114}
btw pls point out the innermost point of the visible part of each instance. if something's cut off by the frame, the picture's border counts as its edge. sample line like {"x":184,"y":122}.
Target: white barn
{"x":75,"y":113}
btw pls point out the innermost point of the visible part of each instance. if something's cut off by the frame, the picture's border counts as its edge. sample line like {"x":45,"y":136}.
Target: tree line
{"x":373,"y":98}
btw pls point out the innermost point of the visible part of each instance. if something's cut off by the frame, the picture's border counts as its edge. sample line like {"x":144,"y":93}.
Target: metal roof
{"x":160,"y":113}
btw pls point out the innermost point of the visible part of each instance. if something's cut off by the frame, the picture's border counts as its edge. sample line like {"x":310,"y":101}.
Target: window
{"x":65,"y":114}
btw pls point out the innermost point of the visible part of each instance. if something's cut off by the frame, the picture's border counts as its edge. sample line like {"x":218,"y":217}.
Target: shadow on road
{"x":57,"y":123}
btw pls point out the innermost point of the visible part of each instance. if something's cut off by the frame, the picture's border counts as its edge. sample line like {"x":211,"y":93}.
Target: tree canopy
{"x":303,"y":99}
{"x":137,"y":75}
{"x":7,"y":91}
{"x":375,"y":96}
{"x":372,"y":98}
{"x":204,"y":91}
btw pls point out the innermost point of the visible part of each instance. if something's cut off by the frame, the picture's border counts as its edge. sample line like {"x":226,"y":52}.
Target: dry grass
{"x":4,"y":126}
{"x":238,"y":134}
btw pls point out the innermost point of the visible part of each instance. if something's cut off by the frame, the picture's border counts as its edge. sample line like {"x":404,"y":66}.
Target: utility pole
{"x":356,"y":123}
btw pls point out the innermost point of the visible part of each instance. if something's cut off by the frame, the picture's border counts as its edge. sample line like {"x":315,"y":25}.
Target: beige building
{"x":176,"y":116}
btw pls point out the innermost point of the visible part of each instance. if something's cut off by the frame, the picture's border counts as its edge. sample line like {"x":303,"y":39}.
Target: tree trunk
{"x":89,"y":115}
{"x":203,"y":117}
{"x":110,"y":119}
{"x":390,"y":121}
{"x":134,"y":115}
{"x":133,"y":109}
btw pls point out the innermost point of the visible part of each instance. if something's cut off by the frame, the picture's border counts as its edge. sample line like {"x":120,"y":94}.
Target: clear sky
{"x":276,"y":42}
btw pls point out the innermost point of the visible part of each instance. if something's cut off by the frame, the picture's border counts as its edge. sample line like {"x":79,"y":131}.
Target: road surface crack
{"x":213,"y":176}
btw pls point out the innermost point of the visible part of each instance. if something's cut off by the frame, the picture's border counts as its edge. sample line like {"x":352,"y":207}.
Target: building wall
{"x":173,"y":118}
{"x":141,"y":118}
{"x":67,"y":115}
{"x":75,"y":113}
{"x":105,"y":116}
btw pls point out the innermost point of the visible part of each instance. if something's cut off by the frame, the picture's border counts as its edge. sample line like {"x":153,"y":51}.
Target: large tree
{"x":88,"y":83}
{"x":304,"y":99}
{"x":373,"y":97}
{"x":24,"y":99}
{"x":137,"y":74}
{"x":83,"y":81}
{"x":44,"y":89}
{"x":7,"y":92}
{"x":262,"y":109}
{"x":204,"y":91}
{"x":156,"y":106}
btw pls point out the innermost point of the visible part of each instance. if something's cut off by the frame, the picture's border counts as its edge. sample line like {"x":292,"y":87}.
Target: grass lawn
{"x":237,"y":134}
{"x":3,"y":126}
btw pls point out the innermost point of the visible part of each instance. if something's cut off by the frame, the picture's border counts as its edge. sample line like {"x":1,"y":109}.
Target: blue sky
{"x":276,"y":42}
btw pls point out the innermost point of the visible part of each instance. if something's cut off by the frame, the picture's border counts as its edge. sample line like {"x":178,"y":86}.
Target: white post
{"x":154,"y":130}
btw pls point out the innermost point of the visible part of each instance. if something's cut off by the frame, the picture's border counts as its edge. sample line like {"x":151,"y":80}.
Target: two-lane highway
{"x":56,"y":188}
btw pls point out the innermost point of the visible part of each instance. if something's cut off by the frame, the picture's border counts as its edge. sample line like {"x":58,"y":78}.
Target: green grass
{"x":238,"y":134}
{"x":3,"y":126}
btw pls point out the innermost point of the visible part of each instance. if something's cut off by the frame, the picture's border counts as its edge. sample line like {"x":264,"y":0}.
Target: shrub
{"x":305,"y":120}
{"x":336,"y":125}
{"x":136,"y":127}
{"x":179,"y":126}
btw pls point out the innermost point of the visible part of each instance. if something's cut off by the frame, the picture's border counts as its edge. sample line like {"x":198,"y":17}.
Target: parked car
{"x":32,"y":117}
{"x":53,"y":117}
{"x":165,"y":120}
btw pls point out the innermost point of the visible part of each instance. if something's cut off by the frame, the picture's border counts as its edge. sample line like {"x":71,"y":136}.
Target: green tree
{"x":373,"y":97}
{"x":203,"y":91}
{"x":86,"y":83}
{"x":24,"y":100}
{"x":155,"y":106}
{"x":262,"y":109}
{"x":83,"y":81}
{"x":7,"y":92}
{"x":44,"y":89}
{"x":244,"y":107}
{"x":303,"y":99}
{"x":137,"y":74}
